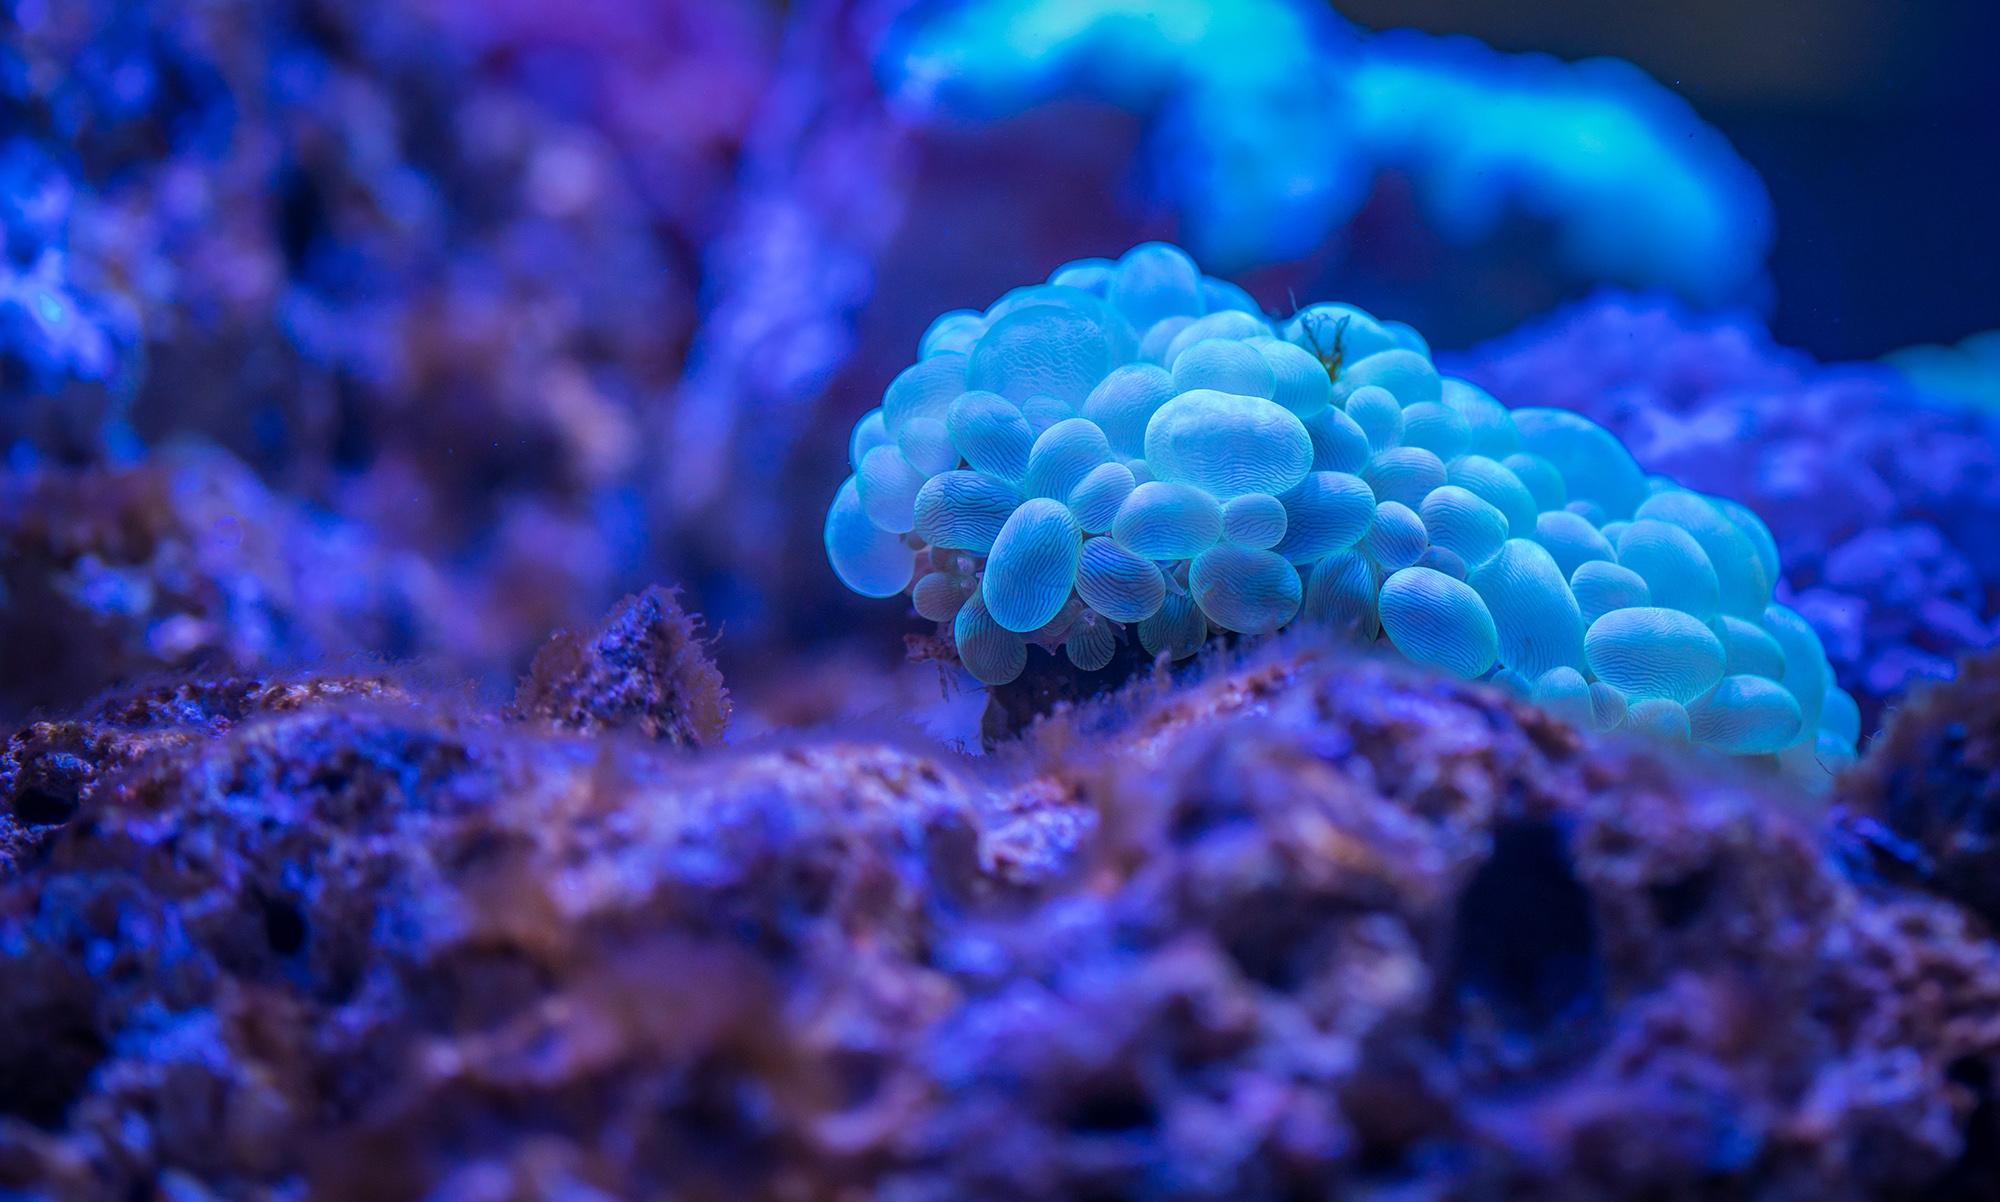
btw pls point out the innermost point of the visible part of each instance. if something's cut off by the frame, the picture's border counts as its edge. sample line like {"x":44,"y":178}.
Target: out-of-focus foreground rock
{"x":1310,"y":926}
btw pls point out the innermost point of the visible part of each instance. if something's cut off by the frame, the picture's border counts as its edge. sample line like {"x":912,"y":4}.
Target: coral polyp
{"x":1134,"y":450}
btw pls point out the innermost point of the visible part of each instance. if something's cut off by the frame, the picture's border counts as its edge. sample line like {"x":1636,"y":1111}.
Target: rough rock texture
{"x":1882,"y":500}
{"x":1308,"y":927}
{"x":1929,"y":792}
{"x":184,"y":562}
{"x":49,"y":769}
{"x":644,"y":668}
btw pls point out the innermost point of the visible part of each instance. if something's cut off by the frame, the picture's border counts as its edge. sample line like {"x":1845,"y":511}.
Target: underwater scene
{"x":991,"y":600}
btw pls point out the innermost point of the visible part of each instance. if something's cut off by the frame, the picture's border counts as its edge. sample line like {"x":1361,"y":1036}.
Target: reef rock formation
{"x":1309,"y":925}
{"x":185,"y":562}
{"x":644,"y":668}
{"x":1932,"y":783}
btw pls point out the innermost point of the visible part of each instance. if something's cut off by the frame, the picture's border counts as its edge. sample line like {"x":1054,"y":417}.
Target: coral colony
{"x":1269,"y":121}
{"x":1134,"y":450}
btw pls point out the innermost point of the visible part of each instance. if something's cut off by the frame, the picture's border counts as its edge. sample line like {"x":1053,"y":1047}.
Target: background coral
{"x":1269,"y":120}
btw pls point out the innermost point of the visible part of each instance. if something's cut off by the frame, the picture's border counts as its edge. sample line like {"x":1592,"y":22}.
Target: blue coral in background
{"x":1270,"y":120}
{"x":1133,"y":445}
{"x":1967,"y":371}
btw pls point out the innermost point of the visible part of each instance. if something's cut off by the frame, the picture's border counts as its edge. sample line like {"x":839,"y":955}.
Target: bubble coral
{"x":1133,"y":444}
{"x":1895,"y":567}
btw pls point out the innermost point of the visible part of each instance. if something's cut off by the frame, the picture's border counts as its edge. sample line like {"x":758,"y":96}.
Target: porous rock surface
{"x":1310,"y":925}
{"x":1926,"y":801}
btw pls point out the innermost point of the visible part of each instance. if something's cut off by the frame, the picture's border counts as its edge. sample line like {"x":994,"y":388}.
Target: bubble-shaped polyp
{"x":1255,"y":520}
{"x":1124,"y":401}
{"x":1134,"y":444}
{"x":1062,"y":456}
{"x":1033,"y":565}
{"x":1167,"y":521}
{"x":1155,"y":281}
{"x":1225,"y":365}
{"x":1341,"y":596}
{"x":1650,"y":652}
{"x":1396,"y":536}
{"x":1243,"y":589}
{"x":1539,"y":623}
{"x":1118,"y":584}
{"x":964,"y":510}
{"x":991,"y":652}
{"x":1228,"y":445}
{"x":1040,"y":350}
{"x":1326,"y":512}
{"x":1676,"y":570}
{"x":991,"y":433}
{"x":1405,"y":475}
{"x":1600,"y":587}
{"x":868,"y":559}
{"x":1098,"y":497}
{"x":1434,"y":619}
{"x":1463,"y":523}
{"x":1299,"y":379}
{"x":1746,"y":715}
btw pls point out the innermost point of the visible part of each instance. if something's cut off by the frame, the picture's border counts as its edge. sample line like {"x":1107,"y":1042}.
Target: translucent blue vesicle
{"x":1339,"y":445}
{"x":1300,"y":380}
{"x":1437,"y":428}
{"x":1167,"y":521}
{"x":1326,"y":512}
{"x":1464,"y":523}
{"x":1225,"y":365}
{"x":1739,"y":569}
{"x":1041,"y":350}
{"x":1491,"y":482}
{"x":1255,"y":520}
{"x":1570,"y":540}
{"x":991,"y":652}
{"x":1099,"y":496}
{"x":868,"y":559}
{"x":889,"y":485}
{"x":1124,"y":401}
{"x":1539,"y":623}
{"x":1118,"y":584}
{"x":1650,"y":652}
{"x":1155,"y":280}
{"x":1746,"y":715}
{"x":1033,"y":565}
{"x":991,"y":434}
{"x":1434,"y":619}
{"x":1244,"y":590}
{"x":964,"y":510}
{"x":1062,"y":456}
{"x":1341,"y":596}
{"x":1228,"y":445}
{"x":925,"y":389}
{"x":1676,"y":570}
{"x":1594,"y":465}
{"x":1600,"y":587}
{"x":1405,"y":373}
{"x":1405,"y":475}
{"x":1396,"y":537}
